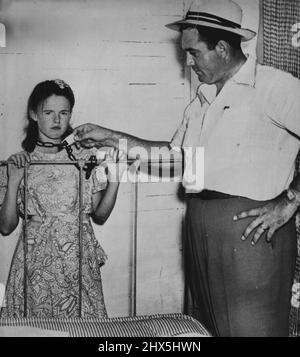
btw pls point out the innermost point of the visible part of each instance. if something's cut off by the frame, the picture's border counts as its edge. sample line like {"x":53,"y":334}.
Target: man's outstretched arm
{"x":92,"y":135}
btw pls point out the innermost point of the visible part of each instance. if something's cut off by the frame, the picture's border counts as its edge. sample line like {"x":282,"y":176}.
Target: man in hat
{"x":240,"y":239}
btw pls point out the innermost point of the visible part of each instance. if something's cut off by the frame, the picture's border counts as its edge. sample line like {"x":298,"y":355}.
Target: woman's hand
{"x":9,"y":215}
{"x":16,"y":164}
{"x":116,"y":164}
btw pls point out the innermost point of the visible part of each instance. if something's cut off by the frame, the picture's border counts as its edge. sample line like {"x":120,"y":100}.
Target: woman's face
{"x":53,"y":117}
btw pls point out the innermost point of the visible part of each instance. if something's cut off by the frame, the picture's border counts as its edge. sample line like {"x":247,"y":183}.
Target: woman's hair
{"x":40,"y":93}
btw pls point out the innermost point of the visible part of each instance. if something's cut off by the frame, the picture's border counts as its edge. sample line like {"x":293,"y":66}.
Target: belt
{"x":210,"y":195}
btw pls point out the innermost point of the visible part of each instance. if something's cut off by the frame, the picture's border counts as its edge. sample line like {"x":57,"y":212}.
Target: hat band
{"x":203,"y":16}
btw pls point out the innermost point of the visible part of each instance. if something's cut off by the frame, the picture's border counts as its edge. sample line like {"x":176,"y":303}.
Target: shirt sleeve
{"x":285,"y":102}
{"x":178,"y":138}
{"x":99,"y":179}
{"x":99,"y":174}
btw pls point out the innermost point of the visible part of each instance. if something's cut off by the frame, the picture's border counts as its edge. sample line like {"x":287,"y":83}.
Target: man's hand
{"x":270,"y":217}
{"x":90,"y":135}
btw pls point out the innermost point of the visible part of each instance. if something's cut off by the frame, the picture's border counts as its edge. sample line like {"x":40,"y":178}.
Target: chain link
{"x":88,"y":167}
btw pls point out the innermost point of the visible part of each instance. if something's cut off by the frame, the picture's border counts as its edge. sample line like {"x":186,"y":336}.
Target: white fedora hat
{"x":219,"y":14}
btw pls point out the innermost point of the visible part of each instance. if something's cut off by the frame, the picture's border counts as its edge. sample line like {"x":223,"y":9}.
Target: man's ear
{"x":222,"y":49}
{"x":32,"y":115}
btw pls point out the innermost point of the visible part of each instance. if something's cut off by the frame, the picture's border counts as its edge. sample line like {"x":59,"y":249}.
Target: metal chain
{"x":92,"y":162}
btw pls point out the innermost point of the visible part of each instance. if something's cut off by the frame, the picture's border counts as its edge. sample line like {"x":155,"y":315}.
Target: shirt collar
{"x":206,"y":92}
{"x":246,"y":75}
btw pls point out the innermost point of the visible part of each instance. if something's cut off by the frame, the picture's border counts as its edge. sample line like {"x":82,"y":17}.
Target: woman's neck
{"x":48,"y":146}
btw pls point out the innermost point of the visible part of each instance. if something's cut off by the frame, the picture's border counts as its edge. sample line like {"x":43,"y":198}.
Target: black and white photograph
{"x":149,"y":170}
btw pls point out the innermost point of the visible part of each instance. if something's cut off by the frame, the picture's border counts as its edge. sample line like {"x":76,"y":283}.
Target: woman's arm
{"x":104,"y":202}
{"x":9,"y":216}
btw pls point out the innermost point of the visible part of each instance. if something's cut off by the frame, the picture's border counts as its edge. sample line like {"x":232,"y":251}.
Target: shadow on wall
{"x":180,"y":56}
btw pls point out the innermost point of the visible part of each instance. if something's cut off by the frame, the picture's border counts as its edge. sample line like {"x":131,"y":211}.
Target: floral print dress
{"x":52,"y":245}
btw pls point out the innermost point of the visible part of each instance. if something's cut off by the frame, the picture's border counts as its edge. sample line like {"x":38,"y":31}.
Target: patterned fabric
{"x":52,"y":241}
{"x":278,"y":19}
{"x":140,"y":326}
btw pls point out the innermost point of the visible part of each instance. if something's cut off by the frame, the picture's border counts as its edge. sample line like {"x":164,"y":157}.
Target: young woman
{"x":53,"y":210}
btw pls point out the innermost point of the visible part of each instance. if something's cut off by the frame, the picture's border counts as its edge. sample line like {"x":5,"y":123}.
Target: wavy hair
{"x":40,"y":93}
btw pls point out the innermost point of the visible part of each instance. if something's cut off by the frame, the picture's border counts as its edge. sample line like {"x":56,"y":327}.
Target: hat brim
{"x":245,"y":34}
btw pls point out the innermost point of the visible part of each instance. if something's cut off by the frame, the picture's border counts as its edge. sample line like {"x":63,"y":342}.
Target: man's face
{"x":205,"y":63}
